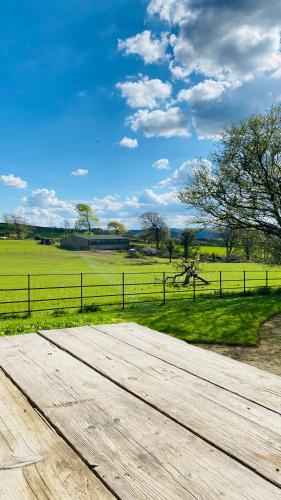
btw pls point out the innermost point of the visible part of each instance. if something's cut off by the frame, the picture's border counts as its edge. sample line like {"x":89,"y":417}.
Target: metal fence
{"x":36,"y":293}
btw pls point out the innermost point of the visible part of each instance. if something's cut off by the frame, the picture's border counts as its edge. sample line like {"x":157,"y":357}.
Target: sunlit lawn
{"x":227,"y":319}
{"x":231,"y":320}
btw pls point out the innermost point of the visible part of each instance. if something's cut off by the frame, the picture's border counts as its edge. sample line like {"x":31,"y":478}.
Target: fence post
{"x":220,"y":284}
{"x":123,"y":290}
{"x":81,"y":292}
{"x":164,"y":288}
{"x":194,"y":289}
{"x":28,"y":296}
{"x":266,"y":278}
{"x":244,"y":282}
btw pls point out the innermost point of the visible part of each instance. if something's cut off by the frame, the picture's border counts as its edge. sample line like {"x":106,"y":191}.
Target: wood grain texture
{"x":256,"y":385}
{"x":34,"y":461}
{"x":136,"y":450}
{"x":243,"y":429}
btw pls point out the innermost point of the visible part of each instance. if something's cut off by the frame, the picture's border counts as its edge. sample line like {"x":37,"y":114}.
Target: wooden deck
{"x":122,"y":411}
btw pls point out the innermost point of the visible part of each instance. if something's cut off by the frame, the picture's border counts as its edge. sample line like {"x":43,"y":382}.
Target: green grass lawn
{"x":226,"y":320}
{"x":210,"y":250}
{"x":231,"y":320}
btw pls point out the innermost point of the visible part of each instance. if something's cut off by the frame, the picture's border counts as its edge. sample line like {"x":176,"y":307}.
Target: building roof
{"x":101,"y":237}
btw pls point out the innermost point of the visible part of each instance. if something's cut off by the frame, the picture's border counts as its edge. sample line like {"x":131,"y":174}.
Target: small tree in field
{"x":187,"y":239}
{"x":187,"y":269}
{"x":117,"y":227}
{"x":85,"y":217}
{"x":154,"y":226}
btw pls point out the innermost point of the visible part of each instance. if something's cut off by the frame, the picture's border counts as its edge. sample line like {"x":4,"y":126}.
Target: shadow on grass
{"x":230,"y":321}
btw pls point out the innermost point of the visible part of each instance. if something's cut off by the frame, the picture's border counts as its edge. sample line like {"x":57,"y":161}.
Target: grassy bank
{"x":231,"y":320}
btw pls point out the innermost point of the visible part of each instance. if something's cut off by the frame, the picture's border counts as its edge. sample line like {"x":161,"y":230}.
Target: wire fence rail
{"x":35,"y":293}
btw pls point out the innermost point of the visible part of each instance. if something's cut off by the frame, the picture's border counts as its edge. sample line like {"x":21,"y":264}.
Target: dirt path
{"x":267,"y":355}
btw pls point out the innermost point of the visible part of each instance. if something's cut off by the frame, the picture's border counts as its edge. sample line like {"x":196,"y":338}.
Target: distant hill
{"x":205,"y":235}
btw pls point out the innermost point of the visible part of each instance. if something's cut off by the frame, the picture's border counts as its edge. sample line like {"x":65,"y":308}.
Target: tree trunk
{"x":157,"y":239}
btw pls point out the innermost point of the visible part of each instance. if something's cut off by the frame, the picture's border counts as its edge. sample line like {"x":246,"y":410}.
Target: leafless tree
{"x":154,"y":226}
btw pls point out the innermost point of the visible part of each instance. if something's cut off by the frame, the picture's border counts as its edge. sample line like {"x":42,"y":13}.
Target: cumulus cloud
{"x":80,"y":172}
{"x":230,"y":41}
{"x":146,"y":45}
{"x":160,"y":123}
{"x":172,"y":11}
{"x":113,"y":205}
{"x":181,"y":175}
{"x":231,"y":47}
{"x":209,"y":118}
{"x":13,"y":181}
{"x":203,"y":91}
{"x":128,"y":209}
{"x":162,"y":164}
{"x":42,"y":207}
{"x":127,"y":142}
{"x":145,"y":93}
{"x":150,"y":197}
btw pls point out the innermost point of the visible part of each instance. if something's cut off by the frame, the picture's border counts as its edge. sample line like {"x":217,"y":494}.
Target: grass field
{"x":209,"y":250}
{"x":207,"y":320}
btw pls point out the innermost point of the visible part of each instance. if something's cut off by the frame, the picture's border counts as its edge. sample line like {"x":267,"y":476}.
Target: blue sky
{"x":111,"y":102}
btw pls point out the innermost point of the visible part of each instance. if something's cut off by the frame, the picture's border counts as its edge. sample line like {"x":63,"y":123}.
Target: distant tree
{"x":240,"y":187}
{"x":117,"y":227}
{"x":17,"y":224}
{"x":187,"y":239}
{"x":85,"y":217}
{"x":249,"y":240}
{"x":66,"y":227}
{"x":230,"y":238}
{"x":154,"y":227}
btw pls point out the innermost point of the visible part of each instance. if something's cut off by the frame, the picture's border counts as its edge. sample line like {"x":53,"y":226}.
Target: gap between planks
{"x":225,"y":412}
{"x":249,"y":382}
{"x":34,"y":461}
{"x":153,"y":457}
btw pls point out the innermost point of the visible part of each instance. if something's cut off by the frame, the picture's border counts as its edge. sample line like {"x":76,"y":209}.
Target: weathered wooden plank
{"x":135,"y":449}
{"x":245,"y":430}
{"x":34,"y":461}
{"x":252,"y":383}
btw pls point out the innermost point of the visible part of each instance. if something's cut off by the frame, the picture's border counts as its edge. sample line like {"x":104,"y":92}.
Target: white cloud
{"x":162,"y":164}
{"x":145,"y":92}
{"x":128,"y":209}
{"x":80,"y":172}
{"x":178,"y":72}
{"x":158,"y":123}
{"x":230,"y":41}
{"x":42,"y":207}
{"x":146,"y":45}
{"x":13,"y":181}
{"x":127,"y":142}
{"x":234,"y":50}
{"x":277,"y":73}
{"x":149,"y":197}
{"x":203,"y":91}
{"x":172,"y":11}
{"x":181,"y":175}
{"x":112,"y":205}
